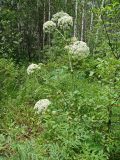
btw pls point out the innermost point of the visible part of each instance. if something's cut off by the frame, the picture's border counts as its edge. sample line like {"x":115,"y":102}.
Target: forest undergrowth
{"x":81,"y":121}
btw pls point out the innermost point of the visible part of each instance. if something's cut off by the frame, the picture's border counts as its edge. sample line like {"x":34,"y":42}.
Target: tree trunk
{"x":49,"y":16}
{"x":38,"y":27}
{"x":75,"y":21}
{"x":43,"y":23}
{"x":19,"y":30}
{"x":92,"y":16}
{"x":82,"y":27}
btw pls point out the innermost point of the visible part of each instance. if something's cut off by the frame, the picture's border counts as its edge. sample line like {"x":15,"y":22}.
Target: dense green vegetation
{"x":83,"y":120}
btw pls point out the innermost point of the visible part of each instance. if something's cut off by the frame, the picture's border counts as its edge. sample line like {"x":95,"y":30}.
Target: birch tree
{"x":82,"y":23}
{"x":49,"y":15}
{"x":43,"y":23}
{"x":76,"y":16}
{"x":92,"y":16}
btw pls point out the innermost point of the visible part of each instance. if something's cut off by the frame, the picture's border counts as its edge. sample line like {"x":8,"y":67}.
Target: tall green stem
{"x":61,"y":34}
{"x":70,"y":61}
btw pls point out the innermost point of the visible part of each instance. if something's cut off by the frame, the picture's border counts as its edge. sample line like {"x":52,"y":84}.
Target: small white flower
{"x":78,"y":49}
{"x":73,"y":39}
{"x":42,"y":105}
{"x":32,"y":67}
{"x":58,"y":15}
{"x":65,"y":22}
{"x":49,"y":26}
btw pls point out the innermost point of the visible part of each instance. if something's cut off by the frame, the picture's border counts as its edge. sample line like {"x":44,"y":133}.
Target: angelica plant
{"x":78,"y":49}
{"x":65,"y":22}
{"x":49,"y":27}
{"x":32,"y":67}
{"x":58,"y":15}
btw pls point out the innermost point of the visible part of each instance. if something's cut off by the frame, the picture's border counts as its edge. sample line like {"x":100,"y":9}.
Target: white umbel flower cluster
{"x":78,"y":49}
{"x":49,"y":26}
{"x":65,"y":22}
{"x":61,"y":20}
{"x":32,"y":67}
{"x":58,"y":15}
{"x":42,"y":105}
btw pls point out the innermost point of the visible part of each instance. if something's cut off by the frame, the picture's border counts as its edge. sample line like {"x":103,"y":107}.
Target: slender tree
{"x":82,"y":23}
{"x":49,"y":14}
{"x":43,"y":22}
{"x":76,"y":16}
{"x":92,"y":15}
{"x":19,"y":26}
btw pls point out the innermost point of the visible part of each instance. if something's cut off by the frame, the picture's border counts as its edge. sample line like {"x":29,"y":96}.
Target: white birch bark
{"x":75,"y":20}
{"x":49,"y":16}
{"x":92,"y":17}
{"x":82,"y":25}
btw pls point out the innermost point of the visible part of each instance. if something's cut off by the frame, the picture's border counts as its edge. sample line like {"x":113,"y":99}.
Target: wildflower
{"x":49,"y":26}
{"x":73,"y":39}
{"x":58,"y":15}
{"x":78,"y":49}
{"x":65,"y":22}
{"x":42,"y":105}
{"x":32,"y":67}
